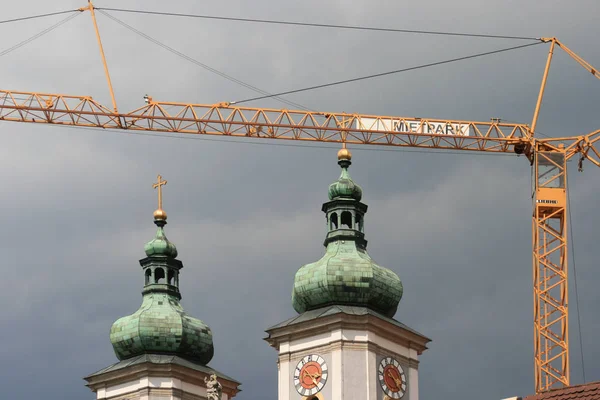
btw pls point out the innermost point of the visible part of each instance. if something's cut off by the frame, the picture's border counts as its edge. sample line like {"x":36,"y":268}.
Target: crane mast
{"x":550,"y":248}
{"x":550,"y":272}
{"x":550,"y":261}
{"x":548,"y":158}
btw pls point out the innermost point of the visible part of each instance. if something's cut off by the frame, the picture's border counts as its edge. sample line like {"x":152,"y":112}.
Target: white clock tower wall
{"x":355,"y":379}
{"x":352,"y":355}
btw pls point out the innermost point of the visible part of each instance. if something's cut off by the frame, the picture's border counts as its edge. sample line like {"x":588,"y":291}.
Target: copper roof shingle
{"x":586,"y":391}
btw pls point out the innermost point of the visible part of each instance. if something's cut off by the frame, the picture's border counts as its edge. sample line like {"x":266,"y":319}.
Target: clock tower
{"x":163,"y":352}
{"x":345,"y":344}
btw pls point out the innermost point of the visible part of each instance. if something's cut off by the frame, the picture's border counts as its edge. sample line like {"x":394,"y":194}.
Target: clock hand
{"x":311,"y":376}
{"x":396,"y":380}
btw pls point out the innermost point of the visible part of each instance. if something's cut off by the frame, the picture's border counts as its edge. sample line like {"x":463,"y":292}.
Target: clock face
{"x":392,"y":378}
{"x":310,"y":375}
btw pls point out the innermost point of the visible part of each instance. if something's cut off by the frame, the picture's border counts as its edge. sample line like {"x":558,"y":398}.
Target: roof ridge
{"x":569,"y":392}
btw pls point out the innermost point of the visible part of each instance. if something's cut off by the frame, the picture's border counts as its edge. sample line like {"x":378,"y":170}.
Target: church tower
{"x":345,"y":343}
{"x":163,"y":352}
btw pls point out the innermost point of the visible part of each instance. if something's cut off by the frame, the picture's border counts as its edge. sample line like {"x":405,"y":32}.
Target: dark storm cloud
{"x":456,"y":228}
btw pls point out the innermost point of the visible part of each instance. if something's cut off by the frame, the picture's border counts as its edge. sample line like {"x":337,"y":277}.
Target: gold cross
{"x":158,"y":185}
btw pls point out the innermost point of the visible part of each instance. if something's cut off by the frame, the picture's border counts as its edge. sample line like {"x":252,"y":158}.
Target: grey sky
{"x":246,"y":215}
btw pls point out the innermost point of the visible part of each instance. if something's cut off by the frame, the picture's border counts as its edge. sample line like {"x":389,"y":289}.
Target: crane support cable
{"x":389,"y":72}
{"x":200,"y":64}
{"x":37,"y":35}
{"x":578,"y":310}
{"x":37,"y":16}
{"x":315,"y":25}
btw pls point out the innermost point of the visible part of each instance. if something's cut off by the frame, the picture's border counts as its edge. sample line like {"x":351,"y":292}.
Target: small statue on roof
{"x":214,"y":390}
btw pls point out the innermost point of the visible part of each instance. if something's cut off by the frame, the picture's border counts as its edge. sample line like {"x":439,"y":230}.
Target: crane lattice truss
{"x":547,"y":156}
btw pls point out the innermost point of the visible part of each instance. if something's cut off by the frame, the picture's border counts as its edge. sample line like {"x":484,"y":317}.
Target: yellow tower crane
{"x":548,"y":157}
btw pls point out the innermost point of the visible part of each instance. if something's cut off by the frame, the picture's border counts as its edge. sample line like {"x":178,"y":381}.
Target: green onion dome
{"x":160,"y":325}
{"x":346,"y":274}
{"x":160,"y":245}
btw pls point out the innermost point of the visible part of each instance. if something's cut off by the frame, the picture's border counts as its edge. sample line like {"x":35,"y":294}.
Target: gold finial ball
{"x":160,"y":215}
{"x":344,"y":154}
